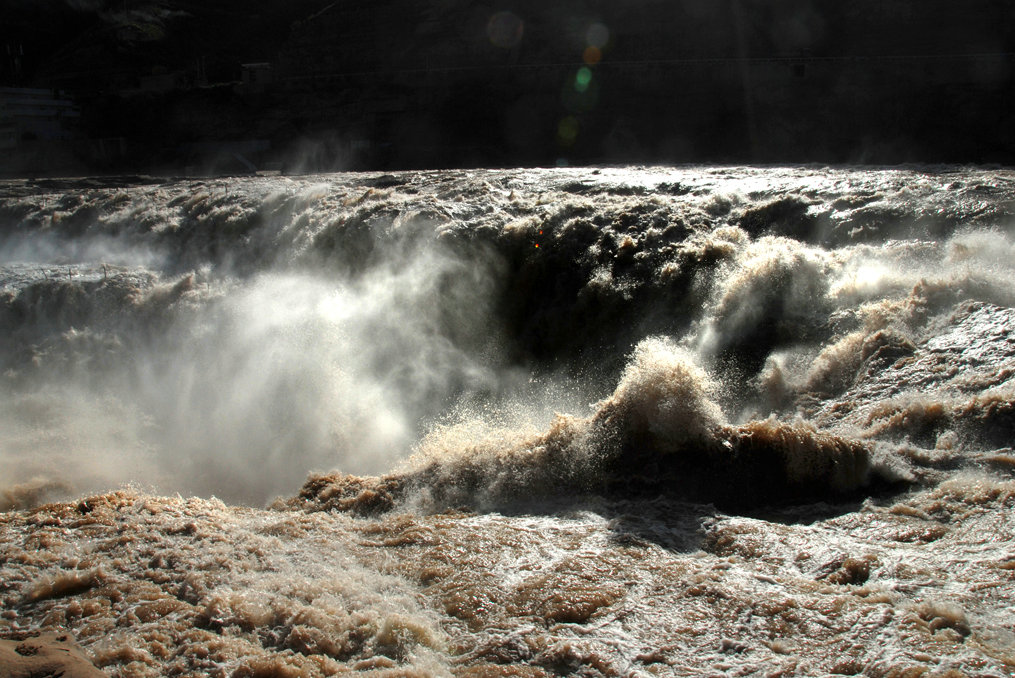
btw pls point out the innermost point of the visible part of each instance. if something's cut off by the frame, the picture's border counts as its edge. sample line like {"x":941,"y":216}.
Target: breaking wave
{"x":659,"y":433}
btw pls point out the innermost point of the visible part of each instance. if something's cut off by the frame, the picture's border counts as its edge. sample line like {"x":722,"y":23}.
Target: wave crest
{"x":659,"y":433}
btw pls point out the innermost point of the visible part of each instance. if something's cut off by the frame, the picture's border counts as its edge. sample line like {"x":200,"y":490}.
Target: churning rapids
{"x":601,"y":422}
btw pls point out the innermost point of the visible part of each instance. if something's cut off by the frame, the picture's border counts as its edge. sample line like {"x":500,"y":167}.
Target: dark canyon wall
{"x":313,"y":85}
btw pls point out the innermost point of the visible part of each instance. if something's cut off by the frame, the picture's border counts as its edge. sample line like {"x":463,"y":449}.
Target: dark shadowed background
{"x":233,"y":86}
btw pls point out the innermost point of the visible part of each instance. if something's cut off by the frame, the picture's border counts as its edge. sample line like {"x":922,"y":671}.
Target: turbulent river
{"x":602,"y":422}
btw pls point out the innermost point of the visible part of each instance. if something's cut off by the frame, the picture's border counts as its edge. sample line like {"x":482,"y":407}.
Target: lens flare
{"x":583,"y":79}
{"x":505,"y":29}
{"x":597,"y":35}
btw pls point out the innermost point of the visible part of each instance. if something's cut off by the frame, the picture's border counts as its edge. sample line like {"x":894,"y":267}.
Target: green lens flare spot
{"x":583,"y":79}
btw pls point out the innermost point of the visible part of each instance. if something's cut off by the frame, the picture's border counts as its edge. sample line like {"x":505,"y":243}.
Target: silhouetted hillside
{"x":313,"y":84}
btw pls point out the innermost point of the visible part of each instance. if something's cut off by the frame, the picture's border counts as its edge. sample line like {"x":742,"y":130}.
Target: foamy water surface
{"x":617,"y":421}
